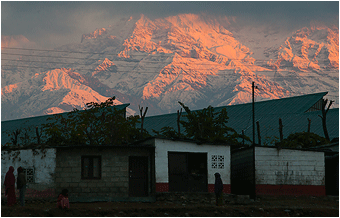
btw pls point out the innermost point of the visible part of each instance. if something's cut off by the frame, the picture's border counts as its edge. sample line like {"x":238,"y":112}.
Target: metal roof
{"x":291,"y":110}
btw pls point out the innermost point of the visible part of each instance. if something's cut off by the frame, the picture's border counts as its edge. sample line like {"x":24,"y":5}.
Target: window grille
{"x":217,"y":161}
{"x":29,"y":174}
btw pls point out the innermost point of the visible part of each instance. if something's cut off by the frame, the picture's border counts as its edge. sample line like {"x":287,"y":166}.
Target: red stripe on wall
{"x":226,"y":188}
{"x":164,"y":187}
{"x":32,"y":193}
{"x":296,"y":190}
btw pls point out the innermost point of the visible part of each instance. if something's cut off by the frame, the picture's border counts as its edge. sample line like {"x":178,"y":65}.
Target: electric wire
{"x":104,"y":53}
{"x":191,"y":68}
{"x":158,"y":72}
{"x":144,"y":68}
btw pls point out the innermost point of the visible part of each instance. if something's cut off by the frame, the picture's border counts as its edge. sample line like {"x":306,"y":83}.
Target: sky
{"x":52,"y":24}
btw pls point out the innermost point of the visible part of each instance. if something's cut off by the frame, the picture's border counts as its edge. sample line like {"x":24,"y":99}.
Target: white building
{"x":189,"y":167}
{"x":39,"y":167}
{"x":278,"y":171}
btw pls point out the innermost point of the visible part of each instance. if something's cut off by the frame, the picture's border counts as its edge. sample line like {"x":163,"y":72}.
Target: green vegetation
{"x":205,"y":126}
{"x":98,"y":124}
{"x":302,"y":140}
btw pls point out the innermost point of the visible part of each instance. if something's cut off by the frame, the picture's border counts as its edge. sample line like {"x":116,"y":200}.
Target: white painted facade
{"x":289,"y":167}
{"x":42,"y":163}
{"x":163,"y":146}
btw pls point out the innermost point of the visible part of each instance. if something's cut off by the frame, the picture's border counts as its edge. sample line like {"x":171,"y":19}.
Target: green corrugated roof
{"x":291,"y":110}
{"x":30,"y":123}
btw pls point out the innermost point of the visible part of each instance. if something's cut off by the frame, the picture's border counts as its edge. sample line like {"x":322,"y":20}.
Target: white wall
{"x":289,"y":167}
{"x":44,"y":167}
{"x":163,"y":146}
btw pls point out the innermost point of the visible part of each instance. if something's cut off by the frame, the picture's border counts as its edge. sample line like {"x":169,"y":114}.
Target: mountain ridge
{"x":189,"y":58}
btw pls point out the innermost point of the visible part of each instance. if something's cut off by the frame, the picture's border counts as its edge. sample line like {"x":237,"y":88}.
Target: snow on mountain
{"x":198,"y":48}
{"x":48,"y":93}
{"x":196,"y":59}
{"x":310,"y":49}
{"x":15,"y":41}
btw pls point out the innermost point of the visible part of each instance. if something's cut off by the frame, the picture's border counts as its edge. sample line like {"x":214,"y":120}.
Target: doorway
{"x":187,"y":172}
{"x":138,"y":176}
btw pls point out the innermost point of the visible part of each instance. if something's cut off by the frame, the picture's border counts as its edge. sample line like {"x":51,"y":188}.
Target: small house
{"x":278,"y":171}
{"x":185,"y":166}
{"x":106,"y":173}
{"x":90,"y":173}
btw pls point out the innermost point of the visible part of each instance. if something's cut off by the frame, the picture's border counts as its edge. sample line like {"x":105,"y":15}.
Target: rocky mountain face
{"x":195,"y":59}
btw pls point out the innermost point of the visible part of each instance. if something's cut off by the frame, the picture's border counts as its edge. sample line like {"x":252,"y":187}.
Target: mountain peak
{"x":94,"y":35}
{"x":104,"y":66}
{"x":200,"y":60}
{"x":16,"y":41}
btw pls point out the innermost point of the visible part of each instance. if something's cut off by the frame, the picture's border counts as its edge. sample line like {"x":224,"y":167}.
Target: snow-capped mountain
{"x":16,"y":41}
{"x":50,"y":92}
{"x":195,"y":59}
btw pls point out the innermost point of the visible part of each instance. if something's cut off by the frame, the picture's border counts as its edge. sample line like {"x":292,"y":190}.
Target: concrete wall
{"x":163,"y":146}
{"x":114,"y":182}
{"x":287,"y":171}
{"x":43,"y":163}
{"x":278,"y":172}
{"x":289,"y":167}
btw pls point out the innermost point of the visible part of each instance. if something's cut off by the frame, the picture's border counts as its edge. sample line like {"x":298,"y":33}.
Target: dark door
{"x":138,"y":176}
{"x":187,"y":172}
{"x":178,"y":171}
{"x":332,"y":175}
{"x":197,"y":167}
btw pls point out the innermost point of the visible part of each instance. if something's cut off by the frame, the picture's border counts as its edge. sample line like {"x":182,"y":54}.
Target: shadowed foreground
{"x":269,"y":206}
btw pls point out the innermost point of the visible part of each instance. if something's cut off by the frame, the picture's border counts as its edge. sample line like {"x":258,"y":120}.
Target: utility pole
{"x":253,"y":104}
{"x":253,"y":194}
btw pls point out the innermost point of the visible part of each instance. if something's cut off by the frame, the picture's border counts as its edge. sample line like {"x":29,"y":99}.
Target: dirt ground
{"x":264,"y":206}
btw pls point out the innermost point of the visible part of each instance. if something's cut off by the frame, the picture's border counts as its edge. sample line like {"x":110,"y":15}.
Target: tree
{"x":324,"y":112}
{"x":98,"y":124}
{"x":209,"y":126}
{"x":302,"y":140}
{"x":168,"y":132}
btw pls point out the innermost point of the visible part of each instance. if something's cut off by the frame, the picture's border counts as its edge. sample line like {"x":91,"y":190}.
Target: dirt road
{"x":264,"y":206}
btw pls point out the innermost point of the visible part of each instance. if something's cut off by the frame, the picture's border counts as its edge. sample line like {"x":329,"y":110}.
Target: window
{"x":217,"y":161}
{"x":90,"y":167}
{"x":29,"y":174}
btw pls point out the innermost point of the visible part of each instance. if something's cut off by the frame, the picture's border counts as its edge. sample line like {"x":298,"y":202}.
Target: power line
{"x":118,"y":71}
{"x":44,"y":56}
{"x":131,"y":71}
{"x":104,"y":53}
{"x":50,"y":62}
{"x":197,"y":69}
{"x":76,"y":52}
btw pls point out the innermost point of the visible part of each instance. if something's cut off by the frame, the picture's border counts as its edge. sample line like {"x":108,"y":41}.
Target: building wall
{"x":288,"y":171}
{"x":43,"y":163}
{"x":163,"y":146}
{"x":114,"y":182}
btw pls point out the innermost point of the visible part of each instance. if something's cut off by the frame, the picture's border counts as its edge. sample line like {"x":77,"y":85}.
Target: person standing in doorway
{"x":10,"y":187}
{"x":218,"y":189}
{"x":21,"y":185}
